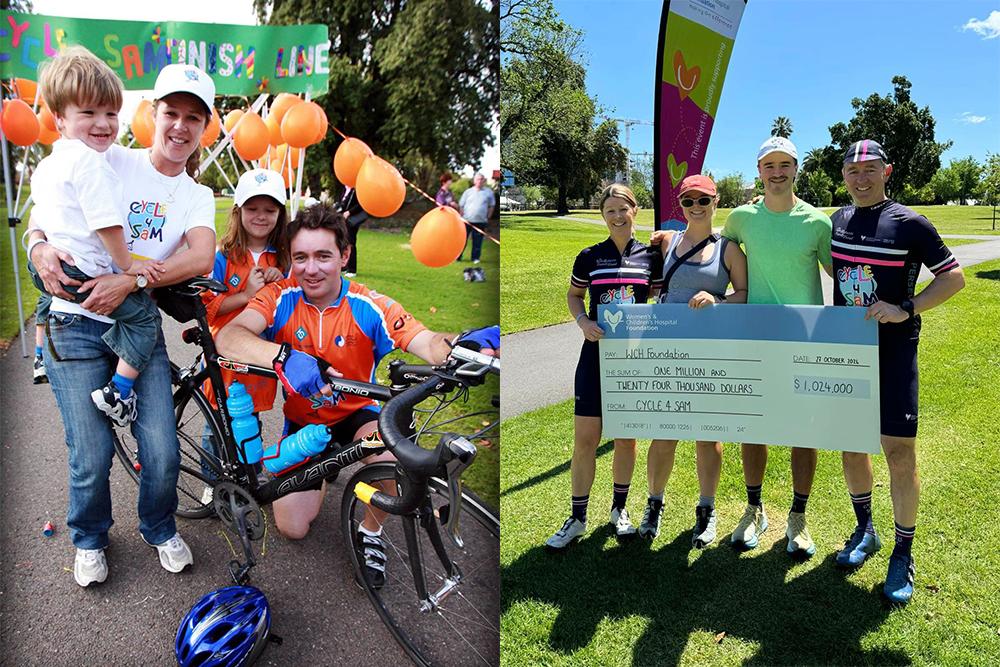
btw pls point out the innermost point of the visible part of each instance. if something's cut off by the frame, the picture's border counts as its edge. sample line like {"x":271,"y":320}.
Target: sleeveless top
{"x":692,"y":277}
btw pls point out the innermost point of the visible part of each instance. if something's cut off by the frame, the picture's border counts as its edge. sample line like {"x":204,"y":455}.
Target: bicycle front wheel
{"x":461,"y":628}
{"x":199,"y":438}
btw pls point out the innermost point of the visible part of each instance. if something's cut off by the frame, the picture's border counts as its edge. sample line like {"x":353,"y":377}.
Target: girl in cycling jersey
{"x":616,"y":270}
{"x":700,"y":280}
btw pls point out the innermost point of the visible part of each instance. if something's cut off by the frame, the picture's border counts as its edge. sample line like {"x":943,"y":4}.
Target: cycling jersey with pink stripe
{"x":877,"y":252}
{"x":617,"y":277}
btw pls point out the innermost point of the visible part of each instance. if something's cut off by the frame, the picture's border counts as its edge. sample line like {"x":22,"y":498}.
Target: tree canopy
{"x":781,"y":127}
{"x":416,"y":81}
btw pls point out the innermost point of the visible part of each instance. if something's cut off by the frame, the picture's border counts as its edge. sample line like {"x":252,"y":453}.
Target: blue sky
{"x":806,"y":59}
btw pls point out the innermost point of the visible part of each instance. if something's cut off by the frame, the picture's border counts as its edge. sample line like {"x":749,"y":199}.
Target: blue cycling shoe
{"x":898,"y":587}
{"x":858,"y":548}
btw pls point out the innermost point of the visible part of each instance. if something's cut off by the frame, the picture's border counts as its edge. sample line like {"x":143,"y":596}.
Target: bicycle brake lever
{"x":463,"y":453}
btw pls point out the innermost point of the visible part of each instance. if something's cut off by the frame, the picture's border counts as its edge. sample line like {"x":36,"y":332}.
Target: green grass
{"x":537,"y":259}
{"x":440,"y":298}
{"x":604,"y":604}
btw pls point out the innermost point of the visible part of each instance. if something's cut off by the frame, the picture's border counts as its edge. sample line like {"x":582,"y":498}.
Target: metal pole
{"x":12,"y":223}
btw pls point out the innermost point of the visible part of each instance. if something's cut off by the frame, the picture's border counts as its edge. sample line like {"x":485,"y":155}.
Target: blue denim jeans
{"x":78,"y":363}
{"x":477,"y":240}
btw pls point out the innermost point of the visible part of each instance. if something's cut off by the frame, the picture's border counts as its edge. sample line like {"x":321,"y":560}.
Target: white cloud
{"x":972,"y":119}
{"x":989,"y":28}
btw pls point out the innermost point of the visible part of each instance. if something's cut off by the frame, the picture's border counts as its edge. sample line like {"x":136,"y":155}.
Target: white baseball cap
{"x":777,"y":145}
{"x":181,"y":78}
{"x":260,"y":182}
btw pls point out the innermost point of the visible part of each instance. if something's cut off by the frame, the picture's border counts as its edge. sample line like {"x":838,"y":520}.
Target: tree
{"x":945,"y":185}
{"x":904,"y":130}
{"x":990,"y":185}
{"x":730,"y":191}
{"x":420,"y":96}
{"x":548,"y":134}
{"x":782,"y":127}
{"x":641,"y":182}
{"x":815,"y":187}
{"x":968,"y":172}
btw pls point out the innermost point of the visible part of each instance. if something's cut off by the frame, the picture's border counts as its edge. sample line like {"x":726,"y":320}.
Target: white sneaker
{"x":571,"y":530}
{"x":622,"y":524}
{"x":175,"y":555}
{"x":90,"y":567}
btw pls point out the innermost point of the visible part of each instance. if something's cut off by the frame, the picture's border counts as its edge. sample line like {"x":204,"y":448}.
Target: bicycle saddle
{"x":197,"y":285}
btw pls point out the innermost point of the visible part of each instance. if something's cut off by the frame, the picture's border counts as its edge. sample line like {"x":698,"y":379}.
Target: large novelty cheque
{"x":805,"y":376}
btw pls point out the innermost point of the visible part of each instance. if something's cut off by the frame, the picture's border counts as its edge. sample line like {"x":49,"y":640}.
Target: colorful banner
{"x":696,"y":42}
{"x":241,"y":59}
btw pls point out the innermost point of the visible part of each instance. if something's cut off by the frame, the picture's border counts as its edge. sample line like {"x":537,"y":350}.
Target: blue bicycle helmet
{"x":225,"y":628}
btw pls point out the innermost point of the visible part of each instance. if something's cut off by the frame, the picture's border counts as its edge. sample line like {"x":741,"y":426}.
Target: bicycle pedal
{"x":443,"y":513}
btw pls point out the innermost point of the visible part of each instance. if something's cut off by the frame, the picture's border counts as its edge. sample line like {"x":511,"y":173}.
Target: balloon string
{"x":428,"y":197}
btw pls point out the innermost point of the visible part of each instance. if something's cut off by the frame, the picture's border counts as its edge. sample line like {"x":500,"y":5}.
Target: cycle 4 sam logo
{"x":145,"y":220}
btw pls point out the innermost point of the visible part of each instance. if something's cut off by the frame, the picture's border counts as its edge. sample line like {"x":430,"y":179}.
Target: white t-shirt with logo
{"x":159,"y":210}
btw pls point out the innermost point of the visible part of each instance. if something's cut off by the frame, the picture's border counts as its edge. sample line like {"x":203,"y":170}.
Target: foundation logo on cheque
{"x":613,"y":318}
{"x":145,"y":220}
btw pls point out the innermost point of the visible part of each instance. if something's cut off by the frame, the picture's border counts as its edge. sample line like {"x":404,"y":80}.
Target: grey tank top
{"x":692,"y":277}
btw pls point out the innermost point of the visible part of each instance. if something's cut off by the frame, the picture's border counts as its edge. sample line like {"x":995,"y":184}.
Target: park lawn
{"x":387,"y":265}
{"x":663,"y":603}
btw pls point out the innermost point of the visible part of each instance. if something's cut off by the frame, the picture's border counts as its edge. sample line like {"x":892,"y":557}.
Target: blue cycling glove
{"x":299,"y":372}
{"x":478,"y":339}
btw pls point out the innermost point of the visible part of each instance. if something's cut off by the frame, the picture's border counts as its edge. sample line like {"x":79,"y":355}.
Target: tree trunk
{"x":562,"y":205}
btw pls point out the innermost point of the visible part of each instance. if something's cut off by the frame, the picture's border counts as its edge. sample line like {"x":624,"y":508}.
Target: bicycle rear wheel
{"x":199,"y":437}
{"x":464,"y":628}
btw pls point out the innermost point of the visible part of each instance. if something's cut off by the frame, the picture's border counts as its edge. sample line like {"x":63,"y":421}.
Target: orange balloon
{"x":300,"y":124}
{"x":251,"y":139}
{"x":231,"y":119}
{"x":438,"y":237}
{"x":281,"y":150}
{"x":286,"y":173}
{"x":273,"y":130}
{"x":380,"y":188}
{"x":47,"y":119}
{"x":26,"y":90}
{"x":323,"y":125}
{"x":281,"y":104}
{"x":211,"y":132}
{"x":45,"y":135}
{"x":348,"y":159}
{"x":142,"y":124}
{"x":19,"y":123}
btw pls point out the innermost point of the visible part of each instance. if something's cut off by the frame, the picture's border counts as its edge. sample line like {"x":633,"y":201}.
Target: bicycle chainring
{"x":231,"y":501}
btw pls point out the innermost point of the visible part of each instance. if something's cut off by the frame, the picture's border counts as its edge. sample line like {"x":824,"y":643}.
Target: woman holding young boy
{"x":163,"y":208}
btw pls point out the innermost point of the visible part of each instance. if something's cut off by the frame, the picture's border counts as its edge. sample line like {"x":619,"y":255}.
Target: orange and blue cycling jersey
{"x":352,"y":334}
{"x":233,"y":272}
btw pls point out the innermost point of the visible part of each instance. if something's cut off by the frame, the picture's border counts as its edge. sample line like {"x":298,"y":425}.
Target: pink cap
{"x":699,"y":183}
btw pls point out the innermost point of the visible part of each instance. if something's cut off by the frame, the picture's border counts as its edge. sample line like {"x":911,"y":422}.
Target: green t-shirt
{"x":783,"y":251}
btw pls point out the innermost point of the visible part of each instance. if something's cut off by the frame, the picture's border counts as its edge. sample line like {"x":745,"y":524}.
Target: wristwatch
{"x":907,"y":306}
{"x":141,"y":282}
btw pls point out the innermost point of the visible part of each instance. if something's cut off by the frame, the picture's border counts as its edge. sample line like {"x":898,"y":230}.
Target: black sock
{"x":753,"y":495}
{"x":904,"y":540}
{"x":621,"y":495}
{"x":657,"y":501}
{"x":580,"y":508}
{"x":862,"y":503}
{"x":799,"y":501}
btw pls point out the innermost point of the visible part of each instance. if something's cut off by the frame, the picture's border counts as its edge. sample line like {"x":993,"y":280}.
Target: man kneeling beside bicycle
{"x":316,"y":325}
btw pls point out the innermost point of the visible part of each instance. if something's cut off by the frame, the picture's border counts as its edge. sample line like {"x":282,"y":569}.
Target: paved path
{"x":539,"y":364}
{"x":46,"y":619}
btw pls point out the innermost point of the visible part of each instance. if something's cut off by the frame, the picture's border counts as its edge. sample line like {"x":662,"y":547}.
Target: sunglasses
{"x":687,"y":202}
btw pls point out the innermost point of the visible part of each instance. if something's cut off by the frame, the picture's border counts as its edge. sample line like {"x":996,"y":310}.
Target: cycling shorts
{"x":898,"y":386}
{"x":343,"y":432}
{"x":587,"y":384}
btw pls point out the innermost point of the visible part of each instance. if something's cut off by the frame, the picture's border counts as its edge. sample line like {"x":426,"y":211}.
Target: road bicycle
{"x":440,"y":596}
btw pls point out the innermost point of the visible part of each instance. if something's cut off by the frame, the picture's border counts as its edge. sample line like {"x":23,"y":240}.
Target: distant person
{"x":476,"y":205}
{"x":444,"y":196}
{"x":356,"y":216}
{"x":616,"y":270}
{"x":700,"y":266}
{"x":878,"y":247}
{"x":786,"y":240}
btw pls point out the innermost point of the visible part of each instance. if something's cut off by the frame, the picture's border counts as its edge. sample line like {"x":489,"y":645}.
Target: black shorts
{"x":587,"y":385}
{"x":343,"y":432}
{"x":898,"y":386}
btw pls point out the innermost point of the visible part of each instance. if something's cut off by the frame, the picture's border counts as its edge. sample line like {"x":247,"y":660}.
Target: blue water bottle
{"x":296,"y":448}
{"x":246,"y":428}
